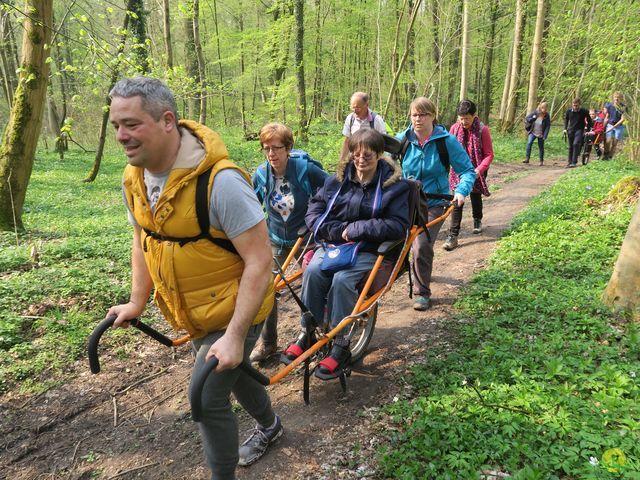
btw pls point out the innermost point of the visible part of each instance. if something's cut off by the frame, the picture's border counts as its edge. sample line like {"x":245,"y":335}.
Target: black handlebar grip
{"x":103,"y":326}
{"x":94,"y":339}
{"x":197,"y":384}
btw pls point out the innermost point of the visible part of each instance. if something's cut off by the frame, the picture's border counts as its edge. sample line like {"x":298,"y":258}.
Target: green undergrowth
{"x":543,"y":381}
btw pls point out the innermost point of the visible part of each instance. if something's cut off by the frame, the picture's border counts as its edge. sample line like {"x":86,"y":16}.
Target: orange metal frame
{"x":363,"y":305}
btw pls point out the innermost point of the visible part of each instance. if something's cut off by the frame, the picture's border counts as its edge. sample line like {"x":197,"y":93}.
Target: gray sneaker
{"x":477,"y":225}
{"x":256,"y":445}
{"x":421,"y":303}
{"x":451,"y":242}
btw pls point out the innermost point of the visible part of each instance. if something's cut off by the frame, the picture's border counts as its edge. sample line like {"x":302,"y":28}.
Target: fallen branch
{"x":134,"y":469}
{"x":115,"y":410}
{"x":141,"y":381}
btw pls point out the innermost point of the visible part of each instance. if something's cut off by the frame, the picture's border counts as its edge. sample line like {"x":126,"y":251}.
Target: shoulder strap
{"x":443,"y":153}
{"x":301,"y":160}
{"x":261,"y":177}
{"x":404,"y":145}
{"x":202,"y":211}
{"x":373,"y":119}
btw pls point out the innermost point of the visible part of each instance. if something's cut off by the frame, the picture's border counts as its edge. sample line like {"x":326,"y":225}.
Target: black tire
{"x":361,"y":332}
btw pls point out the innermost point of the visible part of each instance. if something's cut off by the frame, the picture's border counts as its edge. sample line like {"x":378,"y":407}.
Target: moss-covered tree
{"x":20,"y":138}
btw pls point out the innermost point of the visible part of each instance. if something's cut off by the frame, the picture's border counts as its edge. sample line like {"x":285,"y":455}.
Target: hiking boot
{"x":258,"y":442}
{"x":262,"y":351}
{"x":451,"y":242}
{"x":541,"y":162}
{"x":525,"y":161}
{"x":421,"y":303}
{"x":477,"y":225}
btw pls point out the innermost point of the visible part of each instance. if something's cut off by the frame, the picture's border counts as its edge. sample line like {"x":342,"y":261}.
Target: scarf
{"x":473,"y":146}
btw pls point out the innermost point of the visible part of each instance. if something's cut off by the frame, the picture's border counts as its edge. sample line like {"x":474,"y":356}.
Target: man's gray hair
{"x":156,"y":97}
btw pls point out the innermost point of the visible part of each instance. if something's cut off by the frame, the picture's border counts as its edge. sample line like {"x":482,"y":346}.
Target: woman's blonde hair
{"x":424,"y":105}
{"x":277,"y":131}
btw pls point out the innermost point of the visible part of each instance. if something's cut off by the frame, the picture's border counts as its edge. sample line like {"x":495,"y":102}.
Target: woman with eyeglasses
{"x":431,"y":152}
{"x":283,"y":183}
{"x":365,"y":202}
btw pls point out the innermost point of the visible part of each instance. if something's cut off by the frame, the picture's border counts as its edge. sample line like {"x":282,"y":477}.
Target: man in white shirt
{"x":360,"y":117}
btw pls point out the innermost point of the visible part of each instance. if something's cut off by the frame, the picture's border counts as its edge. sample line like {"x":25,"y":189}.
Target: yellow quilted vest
{"x":196,"y":285}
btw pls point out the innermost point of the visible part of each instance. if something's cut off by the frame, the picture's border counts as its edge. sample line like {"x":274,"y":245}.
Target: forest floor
{"x":133,"y":420}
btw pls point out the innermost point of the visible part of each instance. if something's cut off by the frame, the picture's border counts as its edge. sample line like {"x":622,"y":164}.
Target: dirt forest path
{"x":69,"y":432}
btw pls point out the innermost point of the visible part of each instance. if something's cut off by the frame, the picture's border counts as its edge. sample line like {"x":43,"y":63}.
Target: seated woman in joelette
{"x":366,"y":202}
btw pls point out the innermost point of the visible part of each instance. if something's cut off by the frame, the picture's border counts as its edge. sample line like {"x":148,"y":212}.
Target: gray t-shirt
{"x":234,"y":207}
{"x":537,"y":127}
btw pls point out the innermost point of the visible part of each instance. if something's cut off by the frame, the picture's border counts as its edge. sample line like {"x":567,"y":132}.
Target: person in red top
{"x":593,"y":138}
{"x":474,"y":136}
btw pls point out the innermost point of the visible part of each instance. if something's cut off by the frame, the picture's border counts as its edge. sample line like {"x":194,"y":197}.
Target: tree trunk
{"x":191,"y":62}
{"x":168,"y":46}
{"x":299,"y":66}
{"x":464,"y":54}
{"x":587,"y":48}
{"x":139,"y":30}
{"x":201,"y":65}
{"x":243,"y":107}
{"x":532,"y":99}
{"x":505,"y":87}
{"x":486,"y":96}
{"x":115,"y":73}
{"x":220,"y":77}
{"x":623,"y":290}
{"x":516,"y":62}
{"x":317,"y":69}
{"x":405,"y":54}
{"x":8,"y":65}
{"x":23,"y":129}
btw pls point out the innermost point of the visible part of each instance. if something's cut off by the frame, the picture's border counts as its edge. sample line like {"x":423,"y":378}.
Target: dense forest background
{"x":242,"y":63}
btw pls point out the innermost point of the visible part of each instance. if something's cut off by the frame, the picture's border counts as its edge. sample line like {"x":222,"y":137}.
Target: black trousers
{"x":575,"y":140}
{"x":456,"y":215}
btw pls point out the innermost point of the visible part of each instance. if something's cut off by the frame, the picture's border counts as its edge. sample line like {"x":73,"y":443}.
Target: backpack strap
{"x":443,"y":153}
{"x":404,"y":145}
{"x":373,"y":118}
{"x":202,"y":212}
{"x":301,"y":160}
{"x":261,"y":177}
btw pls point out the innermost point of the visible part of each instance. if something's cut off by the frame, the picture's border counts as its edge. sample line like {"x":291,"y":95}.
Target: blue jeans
{"x":530,"y":140}
{"x":617,"y":132}
{"x":219,"y":425}
{"x":339,"y":289}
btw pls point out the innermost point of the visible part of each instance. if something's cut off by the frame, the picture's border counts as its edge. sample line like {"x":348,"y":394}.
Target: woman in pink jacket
{"x":474,"y":136}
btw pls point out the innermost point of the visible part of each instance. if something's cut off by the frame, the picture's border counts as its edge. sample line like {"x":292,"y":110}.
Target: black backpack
{"x":398,"y":149}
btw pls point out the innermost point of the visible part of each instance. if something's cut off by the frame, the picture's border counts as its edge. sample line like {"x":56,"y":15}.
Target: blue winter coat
{"x":353,"y":207}
{"x":283,"y":233}
{"x":423,"y":164}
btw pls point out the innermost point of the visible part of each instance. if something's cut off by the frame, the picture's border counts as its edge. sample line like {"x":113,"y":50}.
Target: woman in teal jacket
{"x":424,"y":162}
